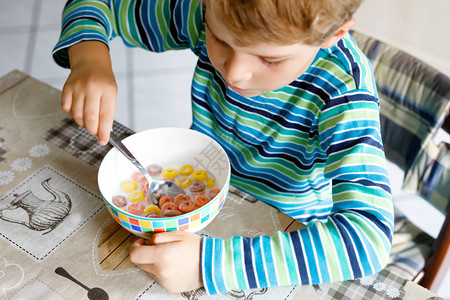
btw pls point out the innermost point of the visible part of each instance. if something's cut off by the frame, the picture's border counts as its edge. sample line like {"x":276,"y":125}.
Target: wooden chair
{"x":435,"y":263}
{"x":414,"y":103}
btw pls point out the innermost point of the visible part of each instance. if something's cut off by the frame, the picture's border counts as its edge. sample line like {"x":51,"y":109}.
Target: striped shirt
{"x":312,"y":149}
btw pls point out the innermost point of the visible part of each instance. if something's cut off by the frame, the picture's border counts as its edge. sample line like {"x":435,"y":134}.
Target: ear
{"x":340,"y":32}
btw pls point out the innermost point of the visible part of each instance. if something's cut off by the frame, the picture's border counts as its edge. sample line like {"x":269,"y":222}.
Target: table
{"x":52,"y":215}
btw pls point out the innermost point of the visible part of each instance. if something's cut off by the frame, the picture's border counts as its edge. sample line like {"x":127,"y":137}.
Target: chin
{"x":250,"y":93}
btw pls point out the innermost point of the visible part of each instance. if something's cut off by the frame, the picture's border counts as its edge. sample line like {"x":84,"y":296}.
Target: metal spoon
{"x":95,"y":293}
{"x":156,"y":188}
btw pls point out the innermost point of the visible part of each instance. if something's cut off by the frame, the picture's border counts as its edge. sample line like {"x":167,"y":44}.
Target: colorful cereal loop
{"x":186,"y":206}
{"x":128,"y":186}
{"x":171,"y":213}
{"x":152,"y":215}
{"x":168,"y":206}
{"x":184,"y":182}
{"x":152,"y":209}
{"x":164,"y":199}
{"x":199,"y":175}
{"x":154,"y":170}
{"x":210,"y":183}
{"x":197,"y":187}
{"x":143,"y":186}
{"x":213,"y":193}
{"x":119,"y":201}
{"x":181,"y":198}
{"x":200,"y":200}
{"x":186,"y":170}
{"x":136,"y":208}
{"x":169,"y":173}
{"x":136,"y":196}
{"x":138,"y":177}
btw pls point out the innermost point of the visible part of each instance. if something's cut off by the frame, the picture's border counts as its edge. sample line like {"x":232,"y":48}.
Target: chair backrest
{"x":414,"y":104}
{"x":414,"y":99}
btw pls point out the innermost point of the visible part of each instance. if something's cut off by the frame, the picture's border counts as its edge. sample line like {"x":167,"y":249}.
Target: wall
{"x":419,"y":27}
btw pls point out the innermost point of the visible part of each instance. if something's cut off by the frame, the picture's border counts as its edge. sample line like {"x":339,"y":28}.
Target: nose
{"x":238,"y":68}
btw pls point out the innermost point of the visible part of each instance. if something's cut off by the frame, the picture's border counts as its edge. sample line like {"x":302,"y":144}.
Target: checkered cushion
{"x":414,"y":102}
{"x":429,"y":174}
{"x":414,"y":99}
{"x":410,"y":248}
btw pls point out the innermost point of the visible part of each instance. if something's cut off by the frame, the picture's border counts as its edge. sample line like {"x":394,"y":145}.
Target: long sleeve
{"x":352,"y":242}
{"x":155,"y":25}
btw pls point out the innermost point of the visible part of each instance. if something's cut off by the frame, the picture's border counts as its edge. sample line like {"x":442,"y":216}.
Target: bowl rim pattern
{"x":186,"y":221}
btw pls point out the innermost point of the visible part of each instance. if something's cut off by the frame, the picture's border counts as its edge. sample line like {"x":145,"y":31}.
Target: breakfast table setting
{"x":59,"y":239}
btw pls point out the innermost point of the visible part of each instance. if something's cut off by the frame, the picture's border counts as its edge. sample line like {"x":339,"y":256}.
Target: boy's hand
{"x":172,"y":259}
{"x":90,"y":91}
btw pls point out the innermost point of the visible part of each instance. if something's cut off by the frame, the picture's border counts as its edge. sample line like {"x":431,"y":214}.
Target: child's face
{"x":252,"y":71}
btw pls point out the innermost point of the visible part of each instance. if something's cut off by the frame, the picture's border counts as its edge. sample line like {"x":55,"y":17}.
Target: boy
{"x":285,"y":90}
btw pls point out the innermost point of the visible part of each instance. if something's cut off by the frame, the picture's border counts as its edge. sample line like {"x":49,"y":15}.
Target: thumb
{"x":140,"y":253}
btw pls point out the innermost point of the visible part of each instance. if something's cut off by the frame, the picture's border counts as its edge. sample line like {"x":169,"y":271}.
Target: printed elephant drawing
{"x":43,"y":214}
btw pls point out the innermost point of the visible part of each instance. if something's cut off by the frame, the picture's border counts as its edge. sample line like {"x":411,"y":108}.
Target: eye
{"x":217,"y":41}
{"x":271,"y":64}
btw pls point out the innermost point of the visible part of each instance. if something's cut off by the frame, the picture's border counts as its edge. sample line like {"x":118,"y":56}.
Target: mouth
{"x":235,"y":88}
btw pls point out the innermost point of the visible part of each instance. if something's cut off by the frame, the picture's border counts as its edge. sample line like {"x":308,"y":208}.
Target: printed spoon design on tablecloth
{"x":93,"y":293}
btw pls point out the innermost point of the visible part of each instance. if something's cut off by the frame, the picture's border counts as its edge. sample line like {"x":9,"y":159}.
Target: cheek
{"x":277,"y":78}
{"x":213,"y":53}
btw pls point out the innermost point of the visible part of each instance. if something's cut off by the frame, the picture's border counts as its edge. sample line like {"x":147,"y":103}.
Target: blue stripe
{"x":362,"y":170}
{"x":357,"y":127}
{"x":361,"y":252}
{"x":257,"y":245}
{"x":270,"y":265}
{"x":368,"y":183}
{"x":300,"y":257}
{"x":319,"y":81}
{"x":307,"y":86}
{"x":347,"y":144}
{"x":307,"y":243}
{"x":323,"y":74}
{"x":218,"y":253}
{"x":354,"y":67}
{"x":151,"y":34}
{"x":95,"y":16}
{"x":348,"y":243}
{"x":249,"y":263}
{"x":377,"y":221}
{"x":208,"y":265}
{"x":320,"y":254}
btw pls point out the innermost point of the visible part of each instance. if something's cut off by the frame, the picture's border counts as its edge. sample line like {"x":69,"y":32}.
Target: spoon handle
{"x":64,"y":273}
{"x":124,"y":150}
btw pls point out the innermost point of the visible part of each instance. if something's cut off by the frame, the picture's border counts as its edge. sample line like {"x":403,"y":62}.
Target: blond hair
{"x":282,"y":21}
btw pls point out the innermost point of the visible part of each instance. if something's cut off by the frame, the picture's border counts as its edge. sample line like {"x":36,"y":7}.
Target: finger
{"x":141,"y":254}
{"x":167,"y":237}
{"x":77,"y":109}
{"x":107,"y":110}
{"x":66,"y":100}
{"x":91,"y":111}
{"x":139,"y":242}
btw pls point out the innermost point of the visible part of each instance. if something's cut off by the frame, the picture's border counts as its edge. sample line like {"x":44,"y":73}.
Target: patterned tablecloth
{"x":52,"y":216}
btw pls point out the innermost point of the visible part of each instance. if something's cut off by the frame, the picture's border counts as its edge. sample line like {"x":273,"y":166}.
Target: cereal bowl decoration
{"x":190,"y":159}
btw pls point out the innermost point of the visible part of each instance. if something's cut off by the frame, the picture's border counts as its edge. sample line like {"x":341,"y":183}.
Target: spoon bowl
{"x":97,"y":294}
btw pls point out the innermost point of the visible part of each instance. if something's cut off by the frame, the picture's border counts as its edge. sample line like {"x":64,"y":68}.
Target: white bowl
{"x":169,"y":148}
